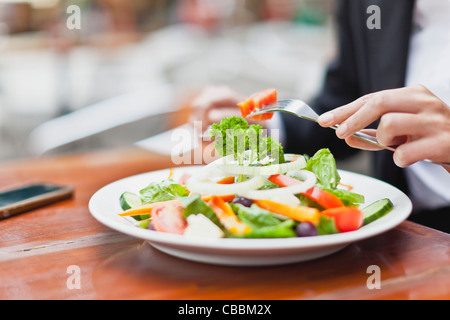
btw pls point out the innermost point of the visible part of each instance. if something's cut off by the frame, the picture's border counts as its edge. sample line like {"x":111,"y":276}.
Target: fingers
{"x":338,"y":115}
{"x":411,"y":152}
{"x":396,"y":128}
{"x":217,"y":114}
{"x":214,"y":103}
{"x":367,"y":109}
{"x":361,"y":144}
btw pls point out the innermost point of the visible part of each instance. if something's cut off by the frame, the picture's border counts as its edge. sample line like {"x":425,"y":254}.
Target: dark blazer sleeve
{"x":367,"y":61}
{"x":340,"y":87}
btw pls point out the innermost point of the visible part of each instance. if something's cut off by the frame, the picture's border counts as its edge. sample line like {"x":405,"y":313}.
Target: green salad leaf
{"x":234,"y":136}
{"x":270,"y":147}
{"x":194,"y":205}
{"x":326,"y":226}
{"x":264,"y":224}
{"x":347,"y":197}
{"x":323,"y":165}
{"x":162,"y":191}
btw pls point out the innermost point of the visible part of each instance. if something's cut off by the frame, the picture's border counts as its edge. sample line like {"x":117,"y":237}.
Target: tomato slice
{"x":256,"y":101}
{"x":282,"y":180}
{"x":345,"y":218}
{"x":169,"y":218}
{"x":246,"y":107}
{"x":325,"y":199}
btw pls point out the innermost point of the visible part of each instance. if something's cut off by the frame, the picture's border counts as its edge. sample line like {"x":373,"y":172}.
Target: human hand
{"x":214,"y":103}
{"x":411,"y":118}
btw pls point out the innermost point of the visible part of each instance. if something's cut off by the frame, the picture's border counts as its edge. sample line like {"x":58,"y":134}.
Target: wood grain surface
{"x":38,"y":248}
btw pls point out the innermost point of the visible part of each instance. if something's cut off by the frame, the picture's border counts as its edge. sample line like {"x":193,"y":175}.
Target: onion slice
{"x":230,"y":167}
{"x":203,"y":185}
{"x":309,"y":180}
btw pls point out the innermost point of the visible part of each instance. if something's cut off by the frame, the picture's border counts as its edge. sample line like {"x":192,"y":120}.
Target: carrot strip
{"x":349,"y":187}
{"x":227,"y":217}
{"x":147,"y":208}
{"x":226,"y":198}
{"x":227,"y":180}
{"x":297,"y":213}
{"x":170,"y":174}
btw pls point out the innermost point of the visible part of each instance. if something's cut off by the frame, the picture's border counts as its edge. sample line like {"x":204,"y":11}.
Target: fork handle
{"x":368,"y":138}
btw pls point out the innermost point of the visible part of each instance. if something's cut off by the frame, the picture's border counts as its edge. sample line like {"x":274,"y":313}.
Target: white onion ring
{"x":287,"y":198}
{"x":230,"y":167}
{"x":202,"y":185}
{"x":309,"y":180}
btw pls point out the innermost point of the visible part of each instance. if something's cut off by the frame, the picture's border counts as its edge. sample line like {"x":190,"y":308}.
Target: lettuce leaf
{"x":326,"y":226}
{"x":347,"y":197}
{"x":194,"y":205}
{"x":162,"y":191}
{"x":234,"y":136}
{"x":264,"y":224}
{"x":323,"y":165}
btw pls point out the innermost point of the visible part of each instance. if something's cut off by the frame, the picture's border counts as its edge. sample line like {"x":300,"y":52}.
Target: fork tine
{"x":276,"y":106}
{"x":260,"y":111}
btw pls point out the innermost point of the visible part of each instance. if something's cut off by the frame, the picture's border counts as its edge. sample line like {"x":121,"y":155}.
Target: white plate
{"x":104,"y":206}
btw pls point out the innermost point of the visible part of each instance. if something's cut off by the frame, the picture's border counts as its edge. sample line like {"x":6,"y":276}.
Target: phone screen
{"x":30,"y":197}
{"x":13,"y":196}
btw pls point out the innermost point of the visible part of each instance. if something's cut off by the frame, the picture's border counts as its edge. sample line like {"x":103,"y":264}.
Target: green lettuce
{"x":326,"y":225}
{"x":347,"y":197}
{"x":234,"y":136}
{"x":162,"y":191}
{"x":194,"y":205}
{"x":263,"y":223}
{"x":323,"y":165}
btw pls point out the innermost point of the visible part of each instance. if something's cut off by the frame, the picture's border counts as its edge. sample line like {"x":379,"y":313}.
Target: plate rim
{"x":231,"y":244}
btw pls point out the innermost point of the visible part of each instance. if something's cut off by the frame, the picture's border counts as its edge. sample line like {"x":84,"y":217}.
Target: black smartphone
{"x":30,"y":197}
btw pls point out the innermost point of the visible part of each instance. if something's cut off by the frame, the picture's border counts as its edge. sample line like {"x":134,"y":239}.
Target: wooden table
{"x":41,"y":251}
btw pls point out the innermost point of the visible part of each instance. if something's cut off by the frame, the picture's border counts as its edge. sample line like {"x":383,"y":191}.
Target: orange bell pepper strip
{"x":226,"y":180}
{"x":227,"y":217}
{"x":225,"y":198}
{"x":147,"y":208}
{"x":297,"y":213}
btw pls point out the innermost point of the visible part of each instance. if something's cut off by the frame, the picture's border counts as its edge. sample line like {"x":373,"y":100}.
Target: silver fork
{"x":302,"y":110}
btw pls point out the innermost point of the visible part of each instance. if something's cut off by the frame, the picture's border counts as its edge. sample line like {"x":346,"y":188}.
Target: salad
{"x":254,"y":190}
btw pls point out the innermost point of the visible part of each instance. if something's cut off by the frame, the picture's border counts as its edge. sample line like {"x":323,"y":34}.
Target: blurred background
{"x":112,"y":72}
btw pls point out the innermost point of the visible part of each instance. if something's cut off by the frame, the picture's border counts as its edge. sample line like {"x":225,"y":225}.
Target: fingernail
{"x":326,"y":119}
{"x":342,"y":130}
{"x":398,"y":159}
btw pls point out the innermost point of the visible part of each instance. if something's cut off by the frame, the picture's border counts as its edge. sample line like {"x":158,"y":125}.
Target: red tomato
{"x":256,"y":101}
{"x":282,"y":180}
{"x":323,"y":198}
{"x":169,"y":218}
{"x":345,"y":218}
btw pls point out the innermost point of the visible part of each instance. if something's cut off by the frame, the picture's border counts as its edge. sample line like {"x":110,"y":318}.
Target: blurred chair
{"x":119,"y":121}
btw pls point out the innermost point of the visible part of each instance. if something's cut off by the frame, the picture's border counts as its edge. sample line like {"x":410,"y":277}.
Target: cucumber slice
{"x":129,"y":200}
{"x":376,"y":210}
